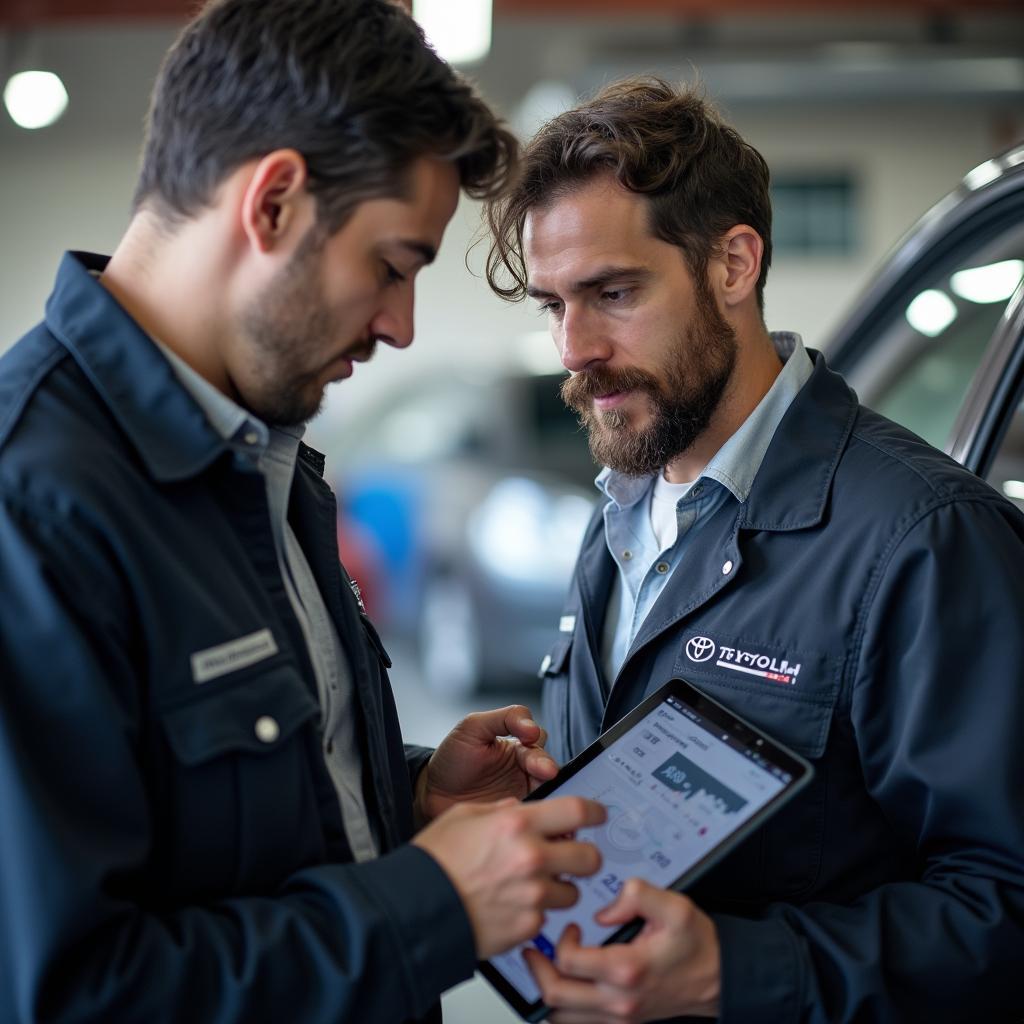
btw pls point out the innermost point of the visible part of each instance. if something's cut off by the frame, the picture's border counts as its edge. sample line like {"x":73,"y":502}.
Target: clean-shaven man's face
{"x":650,"y":354}
{"x":338,"y":296}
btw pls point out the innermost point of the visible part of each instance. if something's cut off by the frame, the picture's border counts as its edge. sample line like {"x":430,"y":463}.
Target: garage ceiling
{"x":41,"y":11}
{"x":748,"y":52}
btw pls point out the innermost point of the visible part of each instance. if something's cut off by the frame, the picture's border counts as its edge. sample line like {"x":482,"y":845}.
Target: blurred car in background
{"x":937,"y":341}
{"x":464,"y":503}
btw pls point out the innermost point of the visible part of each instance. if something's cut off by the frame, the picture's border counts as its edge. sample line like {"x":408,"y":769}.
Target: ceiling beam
{"x":717,"y":8}
{"x":34,"y":12}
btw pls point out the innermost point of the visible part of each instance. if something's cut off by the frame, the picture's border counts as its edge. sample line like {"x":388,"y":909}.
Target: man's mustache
{"x":579,"y":390}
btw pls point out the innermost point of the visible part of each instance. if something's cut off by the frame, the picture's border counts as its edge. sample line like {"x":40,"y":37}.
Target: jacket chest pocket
{"x":237,"y":800}
{"x":791,"y":694}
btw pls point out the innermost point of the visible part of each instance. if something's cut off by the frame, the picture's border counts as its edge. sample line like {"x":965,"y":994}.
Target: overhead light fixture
{"x":459,"y":30}
{"x":1014,"y":488}
{"x":993,"y":283}
{"x":35,"y":99}
{"x":931,"y":312}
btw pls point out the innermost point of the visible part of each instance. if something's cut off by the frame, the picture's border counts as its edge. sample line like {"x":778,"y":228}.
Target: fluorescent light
{"x":931,"y":313}
{"x":982,"y":174}
{"x":993,"y":283}
{"x":459,"y":30}
{"x":1013,"y":488}
{"x":35,"y":99}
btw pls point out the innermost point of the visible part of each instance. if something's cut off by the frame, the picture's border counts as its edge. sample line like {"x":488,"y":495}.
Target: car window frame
{"x":994,"y":393}
{"x":961,"y":222}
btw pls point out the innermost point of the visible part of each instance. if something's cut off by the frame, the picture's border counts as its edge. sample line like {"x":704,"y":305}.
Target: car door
{"x":936,"y":342}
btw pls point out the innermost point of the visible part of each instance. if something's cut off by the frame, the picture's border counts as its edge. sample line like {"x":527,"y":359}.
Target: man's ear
{"x":276,"y":205}
{"x":738,"y":264}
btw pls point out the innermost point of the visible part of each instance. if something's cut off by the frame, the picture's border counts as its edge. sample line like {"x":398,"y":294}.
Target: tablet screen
{"x":676,"y":783}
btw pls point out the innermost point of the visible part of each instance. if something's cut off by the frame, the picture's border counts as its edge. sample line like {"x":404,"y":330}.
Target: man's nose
{"x":393,"y":323}
{"x":580,"y":340}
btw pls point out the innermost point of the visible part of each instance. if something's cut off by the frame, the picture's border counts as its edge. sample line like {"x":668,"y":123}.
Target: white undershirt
{"x":664,"y":499}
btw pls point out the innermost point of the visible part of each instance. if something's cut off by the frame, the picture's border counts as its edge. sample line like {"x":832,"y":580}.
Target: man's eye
{"x":615,"y":294}
{"x":392,"y":274}
{"x":549,"y":307}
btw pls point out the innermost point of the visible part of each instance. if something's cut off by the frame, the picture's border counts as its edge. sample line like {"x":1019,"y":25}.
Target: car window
{"x":928,"y":353}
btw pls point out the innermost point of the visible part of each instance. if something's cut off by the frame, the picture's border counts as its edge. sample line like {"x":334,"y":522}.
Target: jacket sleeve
{"x":376,"y":941}
{"x":415,"y":759}
{"x":937,"y":708}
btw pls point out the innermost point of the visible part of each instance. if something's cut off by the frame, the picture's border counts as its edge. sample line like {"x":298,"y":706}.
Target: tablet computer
{"x":684,"y":781}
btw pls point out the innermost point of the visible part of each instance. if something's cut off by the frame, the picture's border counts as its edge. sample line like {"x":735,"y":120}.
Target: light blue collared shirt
{"x":644,"y":569}
{"x":276,"y":450}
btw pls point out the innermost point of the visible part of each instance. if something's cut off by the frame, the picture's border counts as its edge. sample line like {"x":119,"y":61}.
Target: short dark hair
{"x":350,"y":84}
{"x":665,"y":142}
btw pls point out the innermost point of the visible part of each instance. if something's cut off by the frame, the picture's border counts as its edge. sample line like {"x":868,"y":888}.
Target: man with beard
{"x":206,"y":810}
{"x":804,"y":561}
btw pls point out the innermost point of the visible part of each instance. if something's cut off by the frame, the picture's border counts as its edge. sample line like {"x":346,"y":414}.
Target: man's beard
{"x":289,"y":320}
{"x":682,"y":401}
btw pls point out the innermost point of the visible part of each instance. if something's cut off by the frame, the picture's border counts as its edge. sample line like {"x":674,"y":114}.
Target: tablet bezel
{"x":712,"y":711}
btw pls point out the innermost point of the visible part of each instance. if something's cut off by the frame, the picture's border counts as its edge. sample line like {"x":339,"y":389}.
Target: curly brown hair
{"x":665,"y":142}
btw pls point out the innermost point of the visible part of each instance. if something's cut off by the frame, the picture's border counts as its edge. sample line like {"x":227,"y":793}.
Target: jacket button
{"x":267,"y":729}
{"x":662,"y":567}
{"x":727,"y":568}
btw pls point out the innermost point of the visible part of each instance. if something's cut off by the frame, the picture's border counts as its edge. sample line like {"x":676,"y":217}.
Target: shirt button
{"x":267,"y":729}
{"x":727,"y":568}
{"x":662,"y":567}
{"x":627,"y":555}
{"x":251,"y":437}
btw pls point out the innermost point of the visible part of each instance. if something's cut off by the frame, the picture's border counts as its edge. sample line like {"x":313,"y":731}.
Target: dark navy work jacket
{"x":882,"y":586}
{"x":164,"y":857}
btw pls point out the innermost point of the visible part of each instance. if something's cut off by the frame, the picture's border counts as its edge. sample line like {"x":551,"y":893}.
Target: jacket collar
{"x":168,"y":428}
{"x":163,"y":422}
{"x":792,"y":486}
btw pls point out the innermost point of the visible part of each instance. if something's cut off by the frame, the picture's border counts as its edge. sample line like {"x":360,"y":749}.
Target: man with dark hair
{"x":206,"y":811}
{"x":810,"y":564}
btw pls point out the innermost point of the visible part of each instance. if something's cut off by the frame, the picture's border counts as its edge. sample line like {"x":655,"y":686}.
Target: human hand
{"x":506,"y":861}
{"x":488,"y":756}
{"x":671,"y":969}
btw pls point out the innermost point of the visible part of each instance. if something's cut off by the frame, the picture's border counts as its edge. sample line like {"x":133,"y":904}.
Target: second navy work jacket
{"x":865,"y":606}
{"x":171,"y":844}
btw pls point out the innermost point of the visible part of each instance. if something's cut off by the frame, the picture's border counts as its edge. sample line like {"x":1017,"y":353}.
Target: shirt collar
{"x":736,"y":463}
{"x":228,"y":418}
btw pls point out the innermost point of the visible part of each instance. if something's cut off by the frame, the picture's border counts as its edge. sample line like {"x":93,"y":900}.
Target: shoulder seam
{"x":16,"y":408}
{"x":898,"y":459}
{"x":902,"y":530}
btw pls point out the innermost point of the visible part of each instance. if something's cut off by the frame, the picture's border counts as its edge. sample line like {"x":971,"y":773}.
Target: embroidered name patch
{"x":700,"y":649}
{"x":232,"y":656}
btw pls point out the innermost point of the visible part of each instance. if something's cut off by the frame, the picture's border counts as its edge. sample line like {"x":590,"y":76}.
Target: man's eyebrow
{"x":601,"y":278}
{"x":427,"y":253}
